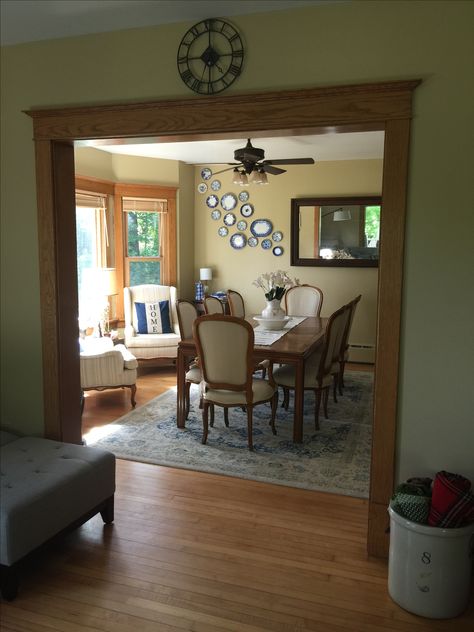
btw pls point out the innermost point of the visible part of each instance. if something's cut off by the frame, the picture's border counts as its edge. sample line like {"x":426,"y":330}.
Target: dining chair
{"x":225,"y":349}
{"x":187,"y":314}
{"x":303,"y":300}
{"x":344,"y":351}
{"x":318,"y":375}
{"x":213,"y":305}
{"x":236,"y":304}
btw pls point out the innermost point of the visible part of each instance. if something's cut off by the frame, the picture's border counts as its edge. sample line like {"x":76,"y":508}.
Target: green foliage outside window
{"x":372,"y":225}
{"x":143,"y":234}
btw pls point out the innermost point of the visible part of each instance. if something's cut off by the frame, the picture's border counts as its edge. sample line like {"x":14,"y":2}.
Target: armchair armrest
{"x":129,"y":360}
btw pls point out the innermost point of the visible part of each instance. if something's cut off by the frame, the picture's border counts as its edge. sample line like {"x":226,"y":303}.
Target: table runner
{"x":265,"y":337}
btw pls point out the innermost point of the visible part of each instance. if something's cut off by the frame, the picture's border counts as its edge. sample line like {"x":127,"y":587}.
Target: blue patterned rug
{"x":334,"y":459}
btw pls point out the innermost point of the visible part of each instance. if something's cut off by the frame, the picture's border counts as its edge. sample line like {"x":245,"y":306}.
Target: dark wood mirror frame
{"x":366,"y":107}
{"x":297,"y":203}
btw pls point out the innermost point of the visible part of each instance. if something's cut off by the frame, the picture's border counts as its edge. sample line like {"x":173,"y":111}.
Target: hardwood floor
{"x":195,"y":551}
{"x":207,"y":553}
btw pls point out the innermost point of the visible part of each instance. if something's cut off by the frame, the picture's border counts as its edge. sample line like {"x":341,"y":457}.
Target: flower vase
{"x":273,"y":310}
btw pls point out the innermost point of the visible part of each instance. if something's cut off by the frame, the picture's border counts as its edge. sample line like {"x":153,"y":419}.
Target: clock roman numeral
{"x":234,"y":70}
{"x":187,"y":75}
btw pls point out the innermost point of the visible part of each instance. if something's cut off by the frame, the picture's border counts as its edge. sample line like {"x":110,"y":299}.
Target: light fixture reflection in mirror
{"x":335,"y":231}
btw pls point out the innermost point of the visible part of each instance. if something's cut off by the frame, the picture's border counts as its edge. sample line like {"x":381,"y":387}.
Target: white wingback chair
{"x":105,"y":366}
{"x":148,"y":346}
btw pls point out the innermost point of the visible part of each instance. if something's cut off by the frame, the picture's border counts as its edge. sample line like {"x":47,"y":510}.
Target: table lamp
{"x":205,"y":274}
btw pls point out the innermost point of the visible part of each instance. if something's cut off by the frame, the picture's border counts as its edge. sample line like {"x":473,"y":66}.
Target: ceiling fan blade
{"x":237,"y":164}
{"x":275,"y":171}
{"x":290,"y":161}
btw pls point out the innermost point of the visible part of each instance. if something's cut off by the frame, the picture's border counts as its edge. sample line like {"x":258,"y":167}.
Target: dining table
{"x":294,"y":347}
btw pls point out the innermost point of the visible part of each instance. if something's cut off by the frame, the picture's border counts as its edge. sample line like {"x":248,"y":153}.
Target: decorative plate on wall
{"x":252,"y":242}
{"x":261,"y":227}
{"x":202,"y":187}
{"x":229,"y":219}
{"x":277,"y":235}
{"x":246,"y":210}
{"x":215,"y":185}
{"x":266,"y":244}
{"x":212,"y":201}
{"x":242,"y":225}
{"x":244,"y":196}
{"x":223,"y":231}
{"x":216,"y":214}
{"x":228,"y":201}
{"x":238,"y":241}
{"x":206,"y":173}
{"x":277,"y":251}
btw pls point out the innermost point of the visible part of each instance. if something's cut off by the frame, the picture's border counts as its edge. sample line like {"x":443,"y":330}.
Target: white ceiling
{"x":33,"y":20}
{"x":321,"y":147}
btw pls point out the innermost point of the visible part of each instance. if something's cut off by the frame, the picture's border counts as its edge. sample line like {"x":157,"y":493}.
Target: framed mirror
{"x":336,"y":231}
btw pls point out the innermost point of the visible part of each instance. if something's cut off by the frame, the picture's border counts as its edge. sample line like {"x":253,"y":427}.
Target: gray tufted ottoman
{"x":47,"y":487}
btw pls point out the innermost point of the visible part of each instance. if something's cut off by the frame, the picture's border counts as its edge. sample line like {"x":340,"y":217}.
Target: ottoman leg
{"x":8,"y":582}
{"x":107,"y":511}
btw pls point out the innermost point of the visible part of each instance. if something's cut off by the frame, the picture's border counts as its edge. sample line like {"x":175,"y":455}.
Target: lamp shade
{"x":205,"y":274}
{"x":342,"y":215}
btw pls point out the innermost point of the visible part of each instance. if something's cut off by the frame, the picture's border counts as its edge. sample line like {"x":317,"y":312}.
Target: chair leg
{"x":286,"y":398}
{"x":133,"y":389}
{"x":250,"y":426}
{"x":205,"y":421}
{"x":212,"y":416}
{"x":317,"y":406}
{"x":274,"y":404}
{"x":325,"y":400}
{"x":187,"y":389}
{"x":342,"y":366}
{"x":226,"y":416}
{"x":107,"y":512}
{"x":335,"y":379}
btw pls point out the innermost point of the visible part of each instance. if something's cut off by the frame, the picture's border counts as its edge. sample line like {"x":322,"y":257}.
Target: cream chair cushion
{"x":103,"y":365}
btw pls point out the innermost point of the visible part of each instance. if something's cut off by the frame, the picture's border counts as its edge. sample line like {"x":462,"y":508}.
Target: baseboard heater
{"x":359,"y":352}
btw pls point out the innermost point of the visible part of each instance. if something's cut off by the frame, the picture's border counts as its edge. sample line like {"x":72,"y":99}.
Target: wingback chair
{"x":151,"y":321}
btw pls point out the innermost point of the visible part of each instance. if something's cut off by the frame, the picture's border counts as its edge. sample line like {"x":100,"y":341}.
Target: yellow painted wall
{"x":336,"y":43}
{"x":237,"y":269}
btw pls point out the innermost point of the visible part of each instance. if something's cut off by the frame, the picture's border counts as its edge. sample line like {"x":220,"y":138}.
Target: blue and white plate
{"x":215,"y":185}
{"x":212,"y":201}
{"x":244,"y":196}
{"x":261,"y":227}
{"x":277,"y":235}
{"x":242,"y":225}
{"x":206,"y":173}
{"x":252,"y":242}
{"x":223,"y":231}
{"x":277,"y":251}
{"x":229,"y":219}
{"x":238,"y":241}
{"x":228,"y":201}
{"x":216,"y":214}
{"x":246,"y":210}
{"x":266,"y":244}
{"x":202,"y":187}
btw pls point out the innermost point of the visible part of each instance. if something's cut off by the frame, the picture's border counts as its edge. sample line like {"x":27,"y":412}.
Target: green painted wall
{"x":328,"y":45}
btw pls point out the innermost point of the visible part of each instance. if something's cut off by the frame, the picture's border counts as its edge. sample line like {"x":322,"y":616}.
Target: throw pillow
{"x":154,"y":318}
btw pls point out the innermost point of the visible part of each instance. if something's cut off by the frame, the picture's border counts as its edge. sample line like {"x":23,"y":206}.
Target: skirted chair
{"x":187,"y":314}
{"x":303,"y":300}
{"x":104,"y":366}
{"x":320,"y":368}
{"x":151,"y":321}
{"x":225,"y":350}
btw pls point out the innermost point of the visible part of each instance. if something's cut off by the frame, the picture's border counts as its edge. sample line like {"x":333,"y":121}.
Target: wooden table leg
{"x":181,"y":389}
{"x":299,"y":400}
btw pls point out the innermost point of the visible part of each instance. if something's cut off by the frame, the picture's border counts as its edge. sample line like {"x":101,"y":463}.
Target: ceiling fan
{"x":250,"y":160}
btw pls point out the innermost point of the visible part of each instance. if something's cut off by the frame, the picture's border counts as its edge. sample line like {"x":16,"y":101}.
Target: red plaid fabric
{"x":452,"y":502}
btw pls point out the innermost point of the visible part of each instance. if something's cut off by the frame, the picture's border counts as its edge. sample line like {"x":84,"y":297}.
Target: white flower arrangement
{"x":275,"y":284}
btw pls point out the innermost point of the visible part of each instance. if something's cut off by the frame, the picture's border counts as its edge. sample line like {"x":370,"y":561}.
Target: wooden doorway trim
{"x":380,"y":106}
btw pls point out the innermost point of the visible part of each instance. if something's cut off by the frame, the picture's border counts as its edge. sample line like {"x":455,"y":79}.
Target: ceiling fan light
{"x":255,"y":177}
{"x":263,"y":177}
{"x":236,"y":177}
{"x":243,"y":181}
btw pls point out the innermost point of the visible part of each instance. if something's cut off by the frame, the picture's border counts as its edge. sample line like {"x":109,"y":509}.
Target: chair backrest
{"x":345,"y":339}
{"x":148,"y":294}
{"x":303,"y":300}
{"x":236,"y":304}
{"x":225,"y":349}
{"x":332,"y":340}
{"x":187,"y":314}
{"x":213,"y":305}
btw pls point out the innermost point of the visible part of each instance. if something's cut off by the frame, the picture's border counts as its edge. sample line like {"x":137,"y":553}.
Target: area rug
{"x":334,"y":459}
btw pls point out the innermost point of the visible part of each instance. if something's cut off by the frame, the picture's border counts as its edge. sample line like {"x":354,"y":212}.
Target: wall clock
{"x":210,"y":56}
